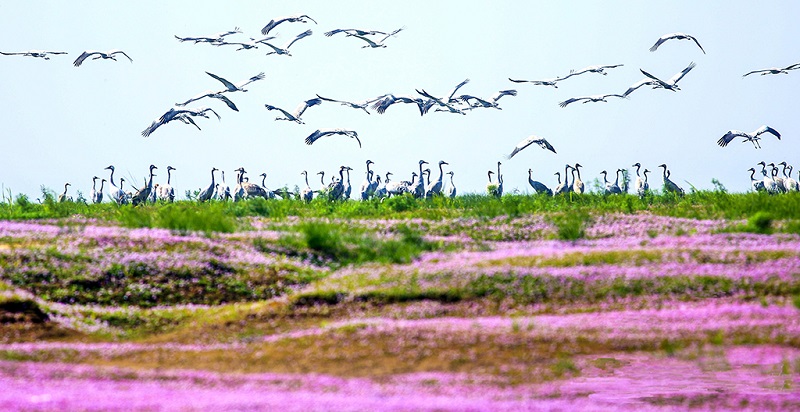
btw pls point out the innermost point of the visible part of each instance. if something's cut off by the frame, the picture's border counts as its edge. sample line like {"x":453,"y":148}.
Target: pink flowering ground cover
{"x":641,"y":312}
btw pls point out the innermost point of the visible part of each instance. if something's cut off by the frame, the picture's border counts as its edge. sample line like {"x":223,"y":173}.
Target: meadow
{"x":580,"y":302}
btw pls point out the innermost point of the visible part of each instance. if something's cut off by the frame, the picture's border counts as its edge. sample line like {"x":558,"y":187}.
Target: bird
{"x":380,"y":190}
{"x":205,"y":194}
{"x":594,"y":98}
{"x":166,"y":192}
{"x":672,"y":83}
{"x":609,"y":188}
{"x":63,"y":197}
{"x":98,"y":196}
{"x":546,"y":82}
{"x":499,"y":181}
{"x":143,"y":194}
{"x":779,"y":184}
{"x":383,"y":103}
{"x":669,"y":185}
{"x":450,"y":190}
{"x":313,"y":137}
{"x":448,"y":101}
{"x":93,"y":192}
{"x":769,"y":183}
{"x":336,"y":188}
{"x":212,"y":94}
{"x":302,"y":18}
{"x":364,"y":190}
{"x":774,"y":70}
{"x":301,"y":108}
{"x":238,"y":87}
{"x":362,"y":34}
{"x":748,"y":137}
{"x":539,"y":187}
{"x":543,"y":143}
{"x":418,"y":188}
{"x":285,"y":50}
{"x":639,"y":182}
{"x":650,"y":80}
{"x":436,"y":187}
{"x":178,"y":114}
{"x":491,"y":102}
{"x":100,"y":55}
{"x":221,"y":190}
{"x":214,"y":38}
{"x":645,"y":188}
{"x":757,"y":185}
{"x":491,"y":187}
{"x":678,"y":36}
{"x":361,"y":106}
{"x":565,"y":187}
{"x":591,"y":69}
{"x":117,"y":194}
{"x":577,"y":183}
{"x":788,"y":181}
{"x":348,"y":188}
{"x":248,"y":45}
{"x":34,"y":53}
{"x":306,"y":193}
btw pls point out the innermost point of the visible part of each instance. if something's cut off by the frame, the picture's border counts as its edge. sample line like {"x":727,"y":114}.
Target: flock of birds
{"x":449,"y":102}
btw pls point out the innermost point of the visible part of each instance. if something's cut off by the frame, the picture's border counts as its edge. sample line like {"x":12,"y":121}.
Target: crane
{"x":306,"y":194}
{"x":238,"y":87}
{"x":166,"y":192}
{"x":774,"y":70}
{"x":319,"y":133}
{"x":100,"y":55}
{"x":93,"y":192}
{"x":565,"y":187}
{"x":639,"y":182}
{"x":577,"y":183}
{"x":33,"y":53}
{"x":645,"y":188}
{"x":543,"y":143}
{"x":677,"y":36}
{"x":63,"y":197}
{"x":142,"y":195}
{"x":669,"y":185}
{"x":285,"y":50}
{"x":436,"y":187}
{"x":650,"y":80}
{"x":539,"y":187}
{"x":210,"y":94}
{"x":206,"y":194}
{"x":301,"y":108}
{"x":753,"y":137}
{"x":383,"y":103}
{"x":214,"y":38}
{"x":757,"y":185}
{"x":178,"y":114}
{"x":588,"y":99}
{"x":546,"y":82}
{"x":361,"y":106}
{"x":297,"y":18}
{"x":418,"y":188}
{"x":117,"y":194}
{"x":591,"y":69}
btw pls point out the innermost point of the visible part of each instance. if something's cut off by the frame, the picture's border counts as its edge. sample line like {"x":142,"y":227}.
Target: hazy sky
{"x":65,"y":124}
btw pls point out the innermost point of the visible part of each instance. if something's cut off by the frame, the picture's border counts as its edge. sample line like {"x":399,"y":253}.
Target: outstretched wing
{"x":529,"y":141}
{"x":455,"y":89}
{"x":697,"y":43}
{"x":285,"y":113}
{"x":255,"y":78}
{"x":495,"y":97}
{"x":227,"y":101}
{"x":299,"y":36}
{"x":83,"y":57}
{"x":660,"y":41}
{"x":571,"y":100}
{"x":754,"y":72}
{"x":637,"y":85}
{"x":728,"y":137}
{"x":766,"y":129}
{"x":113,"y":52}
{"x":228,"y":85}
{"x":676,"y":78}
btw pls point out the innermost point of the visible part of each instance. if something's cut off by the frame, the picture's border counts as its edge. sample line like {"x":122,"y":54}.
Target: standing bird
{"x":418,"y":188}
{"x":285,"y":50}
{"x":365,"y":186}
{"x":539,"y":187}
{"x":499,"y":181}
{"x":306,"y":194}
{"x":757,"y":185}
{"x":769,"y":184}
{"x":222,"y":191}
{"x":777,"y":179}
{"x":609,"y":188}
{"x":565,"y":187}
{"x":205,"y":194}
{"x":238,"y":87}
{"x":638,"y":184}
{"x":100,"y":55}
{"x":348,"y":188}
{"x":791,"y":184}
{"x":166,"y":193}
{"x":646,"y":186}
{"x":313,"y":137}
{"x":143,"y":194}
{"x":117,"y":194}
{"x":577,"y":183}
{"x":302,"y":18}
{"x":93,"y":192}
{"x":450,"y":190}
{"x":774,"y":70}
{"x":678,"y":36}
{"x":295,"y":117}
{"x":436,"y":187}
{"x":63,"y":197}
{"x":98,"y":197}
{"x":544,"y":144}
{"x":491,"y":187}
{"x":669,"y":185}
{"x":753,"y":137}
{"x":33,"y":53}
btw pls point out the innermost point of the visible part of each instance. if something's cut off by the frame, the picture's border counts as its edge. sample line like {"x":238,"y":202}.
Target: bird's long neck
{"x":112,"y":178}
{"x":579,"y":174}
{"x":169,"y":175}
{"x":605,"y":178}
{"x":490,"y":177}
{"x":306,"y":176}
{"x":666,"y":177}
{"x":94,"y":184}
{"x":102,"y":183}
{"x":150,"y":181}
{"x":420,"y":170}
{"x":212,"y":177}
{"x":65,"y":190}
{"x":341,"y":175}
{"x":322,"y":178}
{"x":637,"y":170}
{"x":223,"y":177}
{"x":616,"y":178}
{"x":441,"y":172}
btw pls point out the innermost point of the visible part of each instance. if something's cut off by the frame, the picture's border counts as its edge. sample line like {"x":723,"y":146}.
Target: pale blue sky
{"x":62,"y":123}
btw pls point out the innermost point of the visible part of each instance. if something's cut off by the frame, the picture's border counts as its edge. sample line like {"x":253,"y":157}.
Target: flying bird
{"x":546,"y":82}
{"x":650,"y":80}
{"x":491,"y":102}
{"x":383,"y":103}
{"x":238,"y":87}
{"x":100,"y":55}
{"x":33,"y":53}
{"x":289,"y":19}
{"x":214,"y":38}
{"x":678,"y":36}
{"x":774,"y":70}
{"x":212,"y":94}
{"x":544,"y":144}
{"x":313,"y":137}
{"x":362,"y":106}
{"x":753,"y":137}
{"x":179,"y":114}
{"x":295,"y":117}
{"x":252,"y":44}
{"x":587,"y":99}
{"x":591,"y":69}
{"x":285,"y":49}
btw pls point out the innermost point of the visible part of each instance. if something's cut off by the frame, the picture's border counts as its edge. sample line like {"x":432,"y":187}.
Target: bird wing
{"x":660,"y":41}
{"x":202,"y":111}
{"x":370,"y":42}
{"x":766,"y":129}
{"x":335,"y":31}
{"x":206,"y":93}
{"x":755,"y":71}
{"x":519,"y":81}
{"x":272,"y":23}
{"x":659,"y":81}
{"x":728,"y":137}
{"x":676,"y":78}
{"x":522,"y":145}
{"x":389,"y":34}
{"x":83,"y":57}
{"x":113,"y":52}
{"x":455,"y":89}
{"x":545,"y":145}
{"x":299,"y":36}
{"x":255,"y":78}
{"x":495,"y":97}
{"x":605,"y":96}
{"x":301,"y":108}
{"x":228,"y":85}
{"x":226,"y":100}
{"x":316,"y":135}
{"x":13,"y":53}
{"x":697,"y":43}
{"x":152,"y":128}
{"x":285,"y":113}
{"x":571,"y":100}
{"x":188,"y":120}
{"x":637,"y":85}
